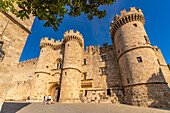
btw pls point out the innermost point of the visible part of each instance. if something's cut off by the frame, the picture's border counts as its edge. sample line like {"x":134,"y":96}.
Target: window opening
{"x":127,"y":80}
{"x":85,"y":76}
{"x":103,"y":71}
{"x":85,"y":93}
{"x":146,"y":39}
{"x":108,"y":92}
{"x":85,"y":62}
{"x":158,"y":62}
{"x":139,"y":59}
{"x":135,"y":25}
{"x":103,"y":57}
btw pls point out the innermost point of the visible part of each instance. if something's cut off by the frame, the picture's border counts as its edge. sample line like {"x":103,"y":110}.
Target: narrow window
{"x":135,"y":25}
{"x":108,"y":92}
{"x":60,"y":65}
{"x":37,"y":75}
{"x":47,"y":67}
{"x":103,"y":71}
{"x":139,"y":59}
{"x":118,"y":51}
{"x":158,"y":62}
{"x":68,"y":44}
{"x":84,"y":61}
{"x":146,"y":39}
{"x":65,"y":73}
{"x":85,"y":76}
{"x":127,"y":80}
{"x":103,"y":58}
{"x":57,"y":65}
{"x":85,"y":93}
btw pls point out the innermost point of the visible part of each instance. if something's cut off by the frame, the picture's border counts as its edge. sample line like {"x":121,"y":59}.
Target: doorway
{"x":56,"y":94}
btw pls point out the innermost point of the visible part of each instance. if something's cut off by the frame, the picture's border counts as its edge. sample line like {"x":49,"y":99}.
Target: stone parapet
{"x":29,"y":60}
{"x":126,"y":17}
{"x":51,"y":43}
{"x":74,"y":36}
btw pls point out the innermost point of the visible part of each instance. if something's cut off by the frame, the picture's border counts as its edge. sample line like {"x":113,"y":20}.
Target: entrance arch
{"x":54,"y":91}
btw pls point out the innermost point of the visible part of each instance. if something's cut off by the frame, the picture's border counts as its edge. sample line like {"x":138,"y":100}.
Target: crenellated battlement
{"x":132,"y":15}
{"x":28,"y":61}
{"x":52,"y":43}
{"x":92,"y":49}
{"x":71,"y":35}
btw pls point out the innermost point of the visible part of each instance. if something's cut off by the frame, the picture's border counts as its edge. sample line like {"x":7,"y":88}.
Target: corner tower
{"x":71,"y":74}
{"x":140,"y":71}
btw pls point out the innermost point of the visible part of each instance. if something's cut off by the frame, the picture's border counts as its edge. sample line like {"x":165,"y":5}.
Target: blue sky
{"x":96,"y":32}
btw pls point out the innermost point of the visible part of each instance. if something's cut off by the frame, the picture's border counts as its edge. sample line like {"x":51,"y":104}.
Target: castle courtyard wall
{"x":13,"y":38}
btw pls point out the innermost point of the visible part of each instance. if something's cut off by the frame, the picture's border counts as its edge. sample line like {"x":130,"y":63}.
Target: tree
{"x":53,"y":11}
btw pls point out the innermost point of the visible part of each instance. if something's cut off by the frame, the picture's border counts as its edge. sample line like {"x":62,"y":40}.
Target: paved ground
{"x":9,"y":107}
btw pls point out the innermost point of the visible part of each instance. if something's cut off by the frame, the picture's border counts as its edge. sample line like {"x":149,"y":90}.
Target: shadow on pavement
{"x":12,"y":107}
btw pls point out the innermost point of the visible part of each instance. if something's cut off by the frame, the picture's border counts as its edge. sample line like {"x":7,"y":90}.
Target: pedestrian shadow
{"x":12,"y":107}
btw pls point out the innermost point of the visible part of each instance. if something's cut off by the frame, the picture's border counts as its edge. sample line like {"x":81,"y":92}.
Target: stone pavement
{"x":76,"y":108}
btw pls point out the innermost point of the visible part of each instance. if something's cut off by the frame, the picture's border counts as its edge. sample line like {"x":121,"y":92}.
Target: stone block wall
{"x":98,"y":96}
{"x":14,"y":36}
{"x":148,"y":95}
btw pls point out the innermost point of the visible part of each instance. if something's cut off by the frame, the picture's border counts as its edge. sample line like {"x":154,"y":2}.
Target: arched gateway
{"x":54,"y":91}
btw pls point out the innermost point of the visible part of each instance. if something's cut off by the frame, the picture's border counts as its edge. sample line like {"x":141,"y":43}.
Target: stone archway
{"x":54,"y":91}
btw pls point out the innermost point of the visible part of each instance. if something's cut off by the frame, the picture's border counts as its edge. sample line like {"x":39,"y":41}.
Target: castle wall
{"x":23,"y":81}
{"x":93,"y":69}
{"x":162,"y":63}
{"x":13,"y":38}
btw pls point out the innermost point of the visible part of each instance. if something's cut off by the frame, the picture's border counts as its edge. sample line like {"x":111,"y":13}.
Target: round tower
{"x":137,"y":61}
{"x":45,"y":62}
{"x":71,"y":74}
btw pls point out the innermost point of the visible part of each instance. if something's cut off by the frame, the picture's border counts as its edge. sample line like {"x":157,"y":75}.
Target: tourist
{"x":28,"y":98}
{"x":46,"y":100}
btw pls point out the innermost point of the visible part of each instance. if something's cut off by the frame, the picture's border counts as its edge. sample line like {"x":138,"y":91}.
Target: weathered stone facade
{"x":129,"y":71}
{"x":13,"y":35}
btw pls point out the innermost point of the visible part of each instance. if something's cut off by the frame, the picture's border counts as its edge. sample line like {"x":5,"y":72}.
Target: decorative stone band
{"x":41,"y":72}
{"x":15,"y":21}
{"x":126,"y":19}
{"x":133,"y":49}
{"x":145,"y":84}
{"x":72,"y":68}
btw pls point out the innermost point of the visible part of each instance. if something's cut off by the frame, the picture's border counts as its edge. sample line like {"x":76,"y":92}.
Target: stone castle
{"x":130,"y":71}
